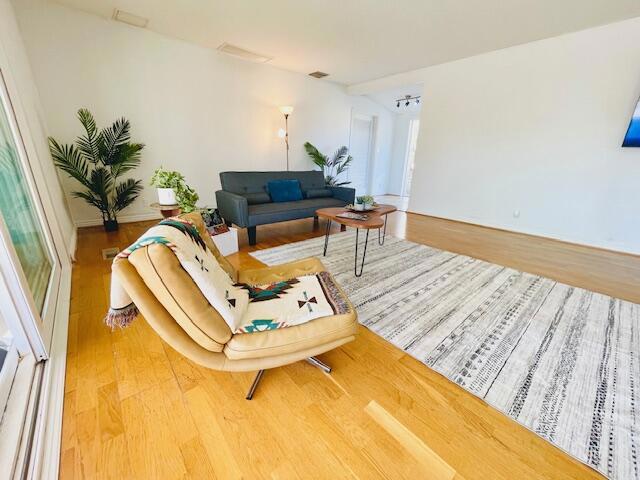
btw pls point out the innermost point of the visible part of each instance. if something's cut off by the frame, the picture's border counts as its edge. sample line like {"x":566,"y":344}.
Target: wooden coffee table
{"x":377,"y":219}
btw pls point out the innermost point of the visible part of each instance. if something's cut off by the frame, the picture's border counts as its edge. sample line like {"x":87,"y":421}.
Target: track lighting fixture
{"x":407,"y":100}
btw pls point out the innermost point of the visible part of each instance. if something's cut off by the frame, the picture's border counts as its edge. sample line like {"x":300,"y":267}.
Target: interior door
{"x":360,"y":148}
{"x":28,"y":260}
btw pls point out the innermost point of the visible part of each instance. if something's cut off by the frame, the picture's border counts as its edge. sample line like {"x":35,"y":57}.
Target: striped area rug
{"x":562,"y":361}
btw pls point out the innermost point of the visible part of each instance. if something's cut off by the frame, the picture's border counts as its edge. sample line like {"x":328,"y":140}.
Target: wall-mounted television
{"x":632,"y":138}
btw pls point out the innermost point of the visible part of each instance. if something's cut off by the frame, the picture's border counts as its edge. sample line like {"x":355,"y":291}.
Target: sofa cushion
{"x":282,"y":211}
{"x":291,"y":339}
{"x":318,"y":193}
{"x":284,"y":190}
{"x":257,"y":198}
{"x":242,"y":183}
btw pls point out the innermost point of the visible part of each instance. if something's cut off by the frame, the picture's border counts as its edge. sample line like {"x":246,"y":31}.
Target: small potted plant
{"x":172,"y":190}
{"x":364,"y":202}
{"x":166,"y":183}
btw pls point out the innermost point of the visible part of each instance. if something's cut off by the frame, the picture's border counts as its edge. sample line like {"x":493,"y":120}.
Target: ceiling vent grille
{"x":318,"y":74}
{"x":239,"y":52}
{"x":130,"y":18}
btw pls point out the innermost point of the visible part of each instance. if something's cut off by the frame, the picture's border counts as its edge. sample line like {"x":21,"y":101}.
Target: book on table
{"x":353,"y":216}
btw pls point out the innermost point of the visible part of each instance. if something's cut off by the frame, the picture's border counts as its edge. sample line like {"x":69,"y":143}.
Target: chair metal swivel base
{"x":312,"y":360}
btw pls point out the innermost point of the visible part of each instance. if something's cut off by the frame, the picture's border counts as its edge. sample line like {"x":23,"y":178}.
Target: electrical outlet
{"x":516,"y":214}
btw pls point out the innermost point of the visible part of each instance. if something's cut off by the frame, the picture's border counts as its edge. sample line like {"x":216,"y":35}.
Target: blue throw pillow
{"x":284,"y":190}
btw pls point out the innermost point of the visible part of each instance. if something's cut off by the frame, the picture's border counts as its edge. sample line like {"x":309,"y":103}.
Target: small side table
{"x":226,"y":242}
{"x":166,"y":210}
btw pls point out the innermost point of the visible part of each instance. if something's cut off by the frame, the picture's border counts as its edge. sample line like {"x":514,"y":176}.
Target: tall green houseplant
{"x":332,"y":167}
{"x":98,"y":160}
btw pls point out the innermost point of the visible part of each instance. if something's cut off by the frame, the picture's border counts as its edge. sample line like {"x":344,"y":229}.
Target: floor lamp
{"x":286,"y":111}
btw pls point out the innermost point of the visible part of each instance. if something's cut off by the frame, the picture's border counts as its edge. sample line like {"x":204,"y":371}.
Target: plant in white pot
{"x":166,"y":183}
{"x":364,"y":202}
{"x":172,"y":190}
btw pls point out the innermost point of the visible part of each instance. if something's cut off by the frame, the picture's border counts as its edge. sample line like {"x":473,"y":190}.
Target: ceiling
{"x":362,"y":40}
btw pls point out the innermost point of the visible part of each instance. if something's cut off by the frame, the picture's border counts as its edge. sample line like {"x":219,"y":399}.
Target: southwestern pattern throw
{"x":562,"y":361}
{"x":245,"y":308}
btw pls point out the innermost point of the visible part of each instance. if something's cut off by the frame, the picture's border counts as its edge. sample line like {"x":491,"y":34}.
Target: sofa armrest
{"x":233,"y":207}
{"x":346,"y":194}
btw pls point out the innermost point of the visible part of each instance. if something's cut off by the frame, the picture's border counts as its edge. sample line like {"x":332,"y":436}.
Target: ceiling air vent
{"x":130,"y":18}
{"x":318,"y":74}
{"x":243,"y":54}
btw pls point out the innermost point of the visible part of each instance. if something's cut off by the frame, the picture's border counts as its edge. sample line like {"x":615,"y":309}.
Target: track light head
{"x":407,"y":100}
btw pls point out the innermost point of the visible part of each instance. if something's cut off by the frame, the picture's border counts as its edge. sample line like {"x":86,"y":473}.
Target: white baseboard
{"x":136,"y":217}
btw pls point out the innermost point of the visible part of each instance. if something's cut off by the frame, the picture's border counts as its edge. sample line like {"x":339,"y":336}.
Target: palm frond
{"x":90,"y":143}
{"x":115,"y":136}
{"x":340,"y":153}
{"x":127,"y":157}
{"x":68,"y":159}
{"x":126,"y":193}
{"x":342,"y":166}
{"x":340,"y":184}
{"x":91,"y":199}
{"x":318,"y":158}
{"x":102,"y":185}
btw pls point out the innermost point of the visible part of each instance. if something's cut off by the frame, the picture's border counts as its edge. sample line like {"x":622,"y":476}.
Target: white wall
{"x":536,"y":128}
{"x":197,"y":111}
{"x":26,"y":103}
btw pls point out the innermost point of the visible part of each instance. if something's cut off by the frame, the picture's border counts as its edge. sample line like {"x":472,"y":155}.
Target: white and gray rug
{"x":560,"y":360}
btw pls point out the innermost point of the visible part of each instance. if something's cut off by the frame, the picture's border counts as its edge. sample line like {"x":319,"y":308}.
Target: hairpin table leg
{"x":384,"y":233}
{"x":364,"y":254}
{"x":326,"y":237}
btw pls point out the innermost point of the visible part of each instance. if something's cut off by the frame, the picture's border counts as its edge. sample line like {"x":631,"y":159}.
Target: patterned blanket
{"x":245,"y":308}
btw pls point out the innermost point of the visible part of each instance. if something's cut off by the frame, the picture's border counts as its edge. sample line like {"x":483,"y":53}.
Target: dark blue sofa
{"x":245,"y":202}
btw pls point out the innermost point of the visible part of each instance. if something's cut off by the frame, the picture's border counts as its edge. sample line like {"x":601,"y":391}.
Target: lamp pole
{"x":286,"y":136}
{"x":286,"y":111}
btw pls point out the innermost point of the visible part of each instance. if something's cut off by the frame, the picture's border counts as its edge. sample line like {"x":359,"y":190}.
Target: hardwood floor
{"x":134,"y":408}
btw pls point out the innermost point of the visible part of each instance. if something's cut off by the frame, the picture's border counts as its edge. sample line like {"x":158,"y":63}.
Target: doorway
{"x":410,"y":157}
{"x":361,"y":146}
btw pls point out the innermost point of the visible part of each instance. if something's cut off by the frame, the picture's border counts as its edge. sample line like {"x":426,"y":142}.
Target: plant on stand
{"x":332,"y":167}
{"x":172,"y":189}
{"x":97,"y":160}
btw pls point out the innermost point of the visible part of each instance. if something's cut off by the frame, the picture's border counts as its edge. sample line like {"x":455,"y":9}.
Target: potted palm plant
{"x":97,"y":161}
{"x":332,"y":167}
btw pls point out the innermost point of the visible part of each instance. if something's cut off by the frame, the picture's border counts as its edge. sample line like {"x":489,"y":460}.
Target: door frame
{"x":373,"y":131}
{"x":42,"y":416}
{"x":37,"y":325}
{"x":413,"y":123}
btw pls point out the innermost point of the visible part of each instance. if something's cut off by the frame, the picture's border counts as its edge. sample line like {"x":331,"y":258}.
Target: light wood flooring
{"x":135,"y":409}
